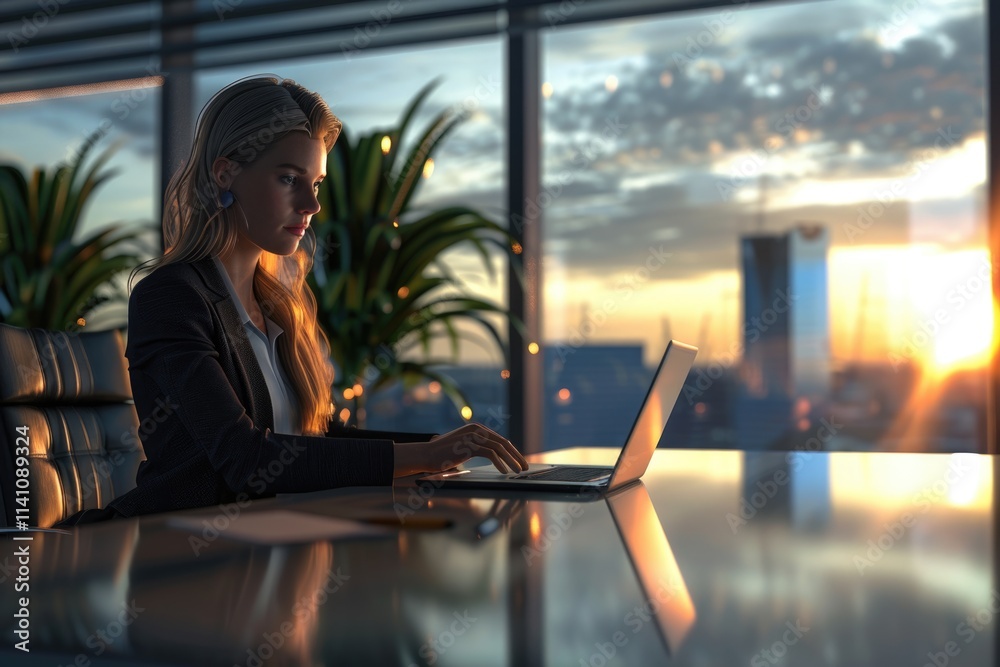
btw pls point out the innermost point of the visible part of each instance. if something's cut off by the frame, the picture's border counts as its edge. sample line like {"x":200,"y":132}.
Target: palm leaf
{"x":46,"y":278}
{"x":406,"y":185}
{"x":367,"y":259}
{"x":14,"y":196}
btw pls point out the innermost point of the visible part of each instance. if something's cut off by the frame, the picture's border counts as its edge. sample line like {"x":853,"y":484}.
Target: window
{"x":49,"y":132}
{"x":798,"y":190}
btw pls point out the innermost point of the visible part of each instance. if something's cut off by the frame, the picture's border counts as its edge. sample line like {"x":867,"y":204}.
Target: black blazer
{"x":205,"y":412}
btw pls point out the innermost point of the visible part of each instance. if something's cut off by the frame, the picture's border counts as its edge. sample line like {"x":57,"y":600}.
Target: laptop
{"x":632,"y":461}
{"x":660,"y":578}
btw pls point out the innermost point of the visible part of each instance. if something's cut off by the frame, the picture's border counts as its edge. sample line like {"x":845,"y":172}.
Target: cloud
{"x":804,"y":87}
{"x":844,"y":105}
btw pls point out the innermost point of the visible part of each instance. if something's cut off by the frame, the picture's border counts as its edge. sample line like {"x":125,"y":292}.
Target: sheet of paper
{"x":285,"y":527}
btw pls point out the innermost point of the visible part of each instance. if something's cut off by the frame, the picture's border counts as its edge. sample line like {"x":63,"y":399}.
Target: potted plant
{"x":47,"y":279}
{"x":382,"y":290}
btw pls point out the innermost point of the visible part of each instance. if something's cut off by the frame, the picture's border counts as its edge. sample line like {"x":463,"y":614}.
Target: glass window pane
{"x":800,"y":191}
{"x":49,"y":132}
{"x":99,"y":32}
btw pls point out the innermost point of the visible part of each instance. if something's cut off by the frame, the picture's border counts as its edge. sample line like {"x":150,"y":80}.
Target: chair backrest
{"x":68,"y":396}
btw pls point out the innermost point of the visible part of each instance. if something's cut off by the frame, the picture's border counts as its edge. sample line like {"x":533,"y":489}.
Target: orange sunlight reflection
{"x":873,"y":480}
{"x":922,"y":304}
{"x":919,"y":304}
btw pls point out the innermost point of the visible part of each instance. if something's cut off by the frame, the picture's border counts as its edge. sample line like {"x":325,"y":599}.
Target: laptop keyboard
{"x":569,"y":474}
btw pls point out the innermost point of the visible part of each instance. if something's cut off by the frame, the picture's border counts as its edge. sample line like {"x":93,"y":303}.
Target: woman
{"x":225,"y":355}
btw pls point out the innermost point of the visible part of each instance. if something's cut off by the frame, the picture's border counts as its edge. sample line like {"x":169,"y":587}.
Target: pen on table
{"x":487,"y":527}
{"x":412,"y":522}
{"x":452,"y":474}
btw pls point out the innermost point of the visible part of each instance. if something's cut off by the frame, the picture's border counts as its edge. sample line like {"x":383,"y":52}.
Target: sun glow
{"x":967,"y":344}
{"x":919,"y":304}
{"x":915,"y":303}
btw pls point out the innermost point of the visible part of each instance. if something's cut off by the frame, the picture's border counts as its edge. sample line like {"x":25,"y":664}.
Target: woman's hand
{"x":448,"y":450}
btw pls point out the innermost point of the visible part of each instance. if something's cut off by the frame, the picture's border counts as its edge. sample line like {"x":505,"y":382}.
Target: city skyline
{"x":876,"y":100}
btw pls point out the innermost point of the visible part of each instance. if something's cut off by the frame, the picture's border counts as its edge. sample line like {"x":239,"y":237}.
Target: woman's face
{"x":277,"y":192}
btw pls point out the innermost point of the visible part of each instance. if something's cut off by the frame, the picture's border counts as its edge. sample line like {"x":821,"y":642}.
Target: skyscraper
{"x":785,"y":369}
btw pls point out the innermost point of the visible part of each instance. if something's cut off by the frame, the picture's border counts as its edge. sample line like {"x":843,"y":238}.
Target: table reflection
{"x":666,"y":600}
{"x":808,"y":559}
{"x":799,"y":554}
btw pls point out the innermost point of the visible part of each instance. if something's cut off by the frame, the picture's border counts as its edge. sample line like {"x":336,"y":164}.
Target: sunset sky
{"x":655,"y":142}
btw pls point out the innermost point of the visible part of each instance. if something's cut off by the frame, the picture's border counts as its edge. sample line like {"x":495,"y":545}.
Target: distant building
{"x":703,"y":415}
{"x":426,"y":408}
{"x":785,"y":369}
{"x":592,"y":393}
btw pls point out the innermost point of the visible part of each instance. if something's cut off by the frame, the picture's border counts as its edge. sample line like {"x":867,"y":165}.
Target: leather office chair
{"x":72,"y":391}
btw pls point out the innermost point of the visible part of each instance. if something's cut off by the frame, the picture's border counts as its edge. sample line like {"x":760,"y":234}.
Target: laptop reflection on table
{"x":663,"y":589}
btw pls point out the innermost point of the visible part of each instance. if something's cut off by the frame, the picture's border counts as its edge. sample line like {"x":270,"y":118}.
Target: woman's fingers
{"x":493,"y":441}
{"x":510,"y":458}
{"x":518,"y":455}
{"x":482,"y":441}
{"x":493,"y":456}
{"x":510,"y":452}
{"x":491,"y":449}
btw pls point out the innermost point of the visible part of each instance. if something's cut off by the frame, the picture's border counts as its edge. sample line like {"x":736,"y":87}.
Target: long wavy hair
{"x":238,"y":123}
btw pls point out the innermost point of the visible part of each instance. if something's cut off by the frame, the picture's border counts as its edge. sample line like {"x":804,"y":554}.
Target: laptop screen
{"x":648,"y":426}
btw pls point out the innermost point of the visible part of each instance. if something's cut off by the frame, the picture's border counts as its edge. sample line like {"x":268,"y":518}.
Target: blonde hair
{"x":238,"y":123}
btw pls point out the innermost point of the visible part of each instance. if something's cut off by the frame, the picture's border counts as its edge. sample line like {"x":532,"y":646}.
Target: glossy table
{"x":783,"y":559}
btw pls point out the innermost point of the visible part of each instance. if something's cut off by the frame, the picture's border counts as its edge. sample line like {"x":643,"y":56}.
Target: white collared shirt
{"x":284,"y":404}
